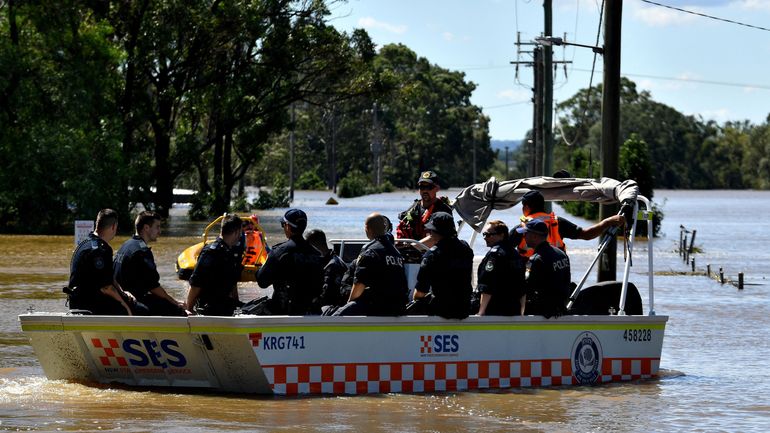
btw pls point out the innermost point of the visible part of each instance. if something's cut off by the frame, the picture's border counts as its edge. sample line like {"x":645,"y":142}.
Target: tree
{"x":57,"y":82}
{"x":395,"y":115}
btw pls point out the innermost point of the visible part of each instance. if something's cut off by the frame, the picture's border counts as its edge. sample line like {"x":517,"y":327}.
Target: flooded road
{"x":714,"y":363}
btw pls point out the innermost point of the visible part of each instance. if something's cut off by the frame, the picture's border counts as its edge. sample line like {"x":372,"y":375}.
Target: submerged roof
{"x":475,"y":203}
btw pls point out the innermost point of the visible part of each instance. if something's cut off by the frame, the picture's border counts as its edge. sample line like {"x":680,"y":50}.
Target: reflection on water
{"x":713,"y":368}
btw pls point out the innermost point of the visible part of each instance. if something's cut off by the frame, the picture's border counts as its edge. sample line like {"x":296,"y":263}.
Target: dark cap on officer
{"x":428,"y":177}
{"x":295,"y":218}
{"x":534,"y":226}
{"x":533,"y":199}
{"x":442,"y":223}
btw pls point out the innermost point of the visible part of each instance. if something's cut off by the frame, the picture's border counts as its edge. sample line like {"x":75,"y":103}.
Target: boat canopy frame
{"x":475,"y":203}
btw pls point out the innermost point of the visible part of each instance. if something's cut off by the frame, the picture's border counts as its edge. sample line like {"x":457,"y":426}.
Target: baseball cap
{"x":533,"y":197}
{"x":441,"y":223}
{"x":428,"y":177}
{"x":534,"y":226}
{"x":295,"y":218}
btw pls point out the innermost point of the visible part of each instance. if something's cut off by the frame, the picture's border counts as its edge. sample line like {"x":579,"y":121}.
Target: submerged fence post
{"x":681,"y":233}
{"x":708,"y":270}
{"x":721,"y":275}
{"x":692,"y":241}
{"x":684,"y":249}
{"x":740,"y":280}
{"x":692,"y":262}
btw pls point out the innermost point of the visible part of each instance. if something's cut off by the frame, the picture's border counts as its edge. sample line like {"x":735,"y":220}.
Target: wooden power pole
{"x":547,"y":97}
{"x":613,"y":12}
{"x":538,"y":113}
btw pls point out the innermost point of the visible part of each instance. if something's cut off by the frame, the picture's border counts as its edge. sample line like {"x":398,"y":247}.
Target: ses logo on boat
{"x":146,"y":354}
{"x":439,"y":345}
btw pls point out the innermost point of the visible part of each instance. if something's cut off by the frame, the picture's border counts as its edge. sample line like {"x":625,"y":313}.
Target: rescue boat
{"x":606,"y":338}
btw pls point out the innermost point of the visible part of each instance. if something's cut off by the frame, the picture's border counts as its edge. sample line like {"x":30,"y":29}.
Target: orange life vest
{"x":255,"y":252}
{"x":554,"y":238}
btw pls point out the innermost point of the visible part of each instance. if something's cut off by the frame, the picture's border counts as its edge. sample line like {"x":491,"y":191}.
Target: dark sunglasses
{"x":488,"y":234}
{"x":426,"y":187}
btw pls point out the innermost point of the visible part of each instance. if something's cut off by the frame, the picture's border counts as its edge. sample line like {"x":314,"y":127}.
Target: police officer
{"x":412,"y":221}
{"x":295,"y":269}
{"x":446,"y":271}
{"x":548,"y":282}
{"x":136,"y":272}
{"x":379,"y":281}
{"x":334,"y":269}
{"x":91,"y":285}
{"x":559,"y":228}
{"x":500,"y":275}
{"x":214,"y":281}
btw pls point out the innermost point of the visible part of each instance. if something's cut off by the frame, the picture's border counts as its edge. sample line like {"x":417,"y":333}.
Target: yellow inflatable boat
{"x":254,"y":246}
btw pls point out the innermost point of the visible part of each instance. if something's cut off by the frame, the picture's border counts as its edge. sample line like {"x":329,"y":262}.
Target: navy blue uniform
{"x":501,"y":275}
{"x":136,"y":272}
{"x":446,"y":271}
{"x":90,"y":270}
{"x":548,"y":284}
{"x":334,"y":270}
{"x":295,"y":269}
{"x":216,"y":273}
{"x":380,"y":268}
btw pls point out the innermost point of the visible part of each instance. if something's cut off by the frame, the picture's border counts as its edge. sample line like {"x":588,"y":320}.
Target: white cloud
{"x":514,"y":95}
{"x":685,"y":81}
{"x":657,"y":16}
{"x":721,"y":115}
{"x":752,"y":5}
{"x":371,"y":23}
{"x":448,"y":36}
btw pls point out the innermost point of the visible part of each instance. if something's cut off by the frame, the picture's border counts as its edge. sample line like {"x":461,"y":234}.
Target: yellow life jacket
{"x":554,"y":238}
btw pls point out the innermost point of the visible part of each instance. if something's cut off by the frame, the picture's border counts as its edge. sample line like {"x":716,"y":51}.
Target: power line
{"x":631,"y":74}
{"x":707,"y":16}
{"x":690,"y":80}
{"x":590,"y":81}
{"x":489,"y":107}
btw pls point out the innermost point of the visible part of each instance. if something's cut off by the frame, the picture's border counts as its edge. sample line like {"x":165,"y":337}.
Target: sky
{"x":700,"y":66}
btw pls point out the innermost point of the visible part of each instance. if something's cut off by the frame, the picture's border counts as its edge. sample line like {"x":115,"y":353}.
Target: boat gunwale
{"x":245,"y":324}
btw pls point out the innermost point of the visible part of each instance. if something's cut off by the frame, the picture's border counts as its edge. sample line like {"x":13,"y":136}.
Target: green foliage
{"x":240,"y":204}
{"x":59,"y":119}
{"x":310,"y":180}
{"x":200,"y":207}
{"x":635,"y":164}
{"x":108,"y":106}
{"x":278,"y":196}
{"x":385,"y":186}
{"x":355,"y":184}
{"x":682,"y":151}
{"x":402,"y":115}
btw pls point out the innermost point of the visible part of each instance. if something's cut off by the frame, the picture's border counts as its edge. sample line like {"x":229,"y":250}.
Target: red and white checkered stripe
{"x":109,"y":352}
{"x":618,"y":370}
{"x":439,"y":376}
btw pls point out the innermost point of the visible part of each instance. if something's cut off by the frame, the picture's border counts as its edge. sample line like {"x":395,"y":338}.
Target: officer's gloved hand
{"x":627,"y":211}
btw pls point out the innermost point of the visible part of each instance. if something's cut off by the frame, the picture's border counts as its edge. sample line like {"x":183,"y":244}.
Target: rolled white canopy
{"x":475,"y":203}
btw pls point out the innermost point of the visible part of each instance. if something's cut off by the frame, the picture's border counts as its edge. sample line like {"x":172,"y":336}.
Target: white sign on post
{"x":82,"y":229}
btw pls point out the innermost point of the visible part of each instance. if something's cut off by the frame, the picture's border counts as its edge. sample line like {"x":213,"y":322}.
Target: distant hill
{"x":501,"y":144}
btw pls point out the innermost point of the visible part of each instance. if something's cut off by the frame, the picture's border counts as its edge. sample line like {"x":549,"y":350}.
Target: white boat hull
{"x":346,"y":355}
